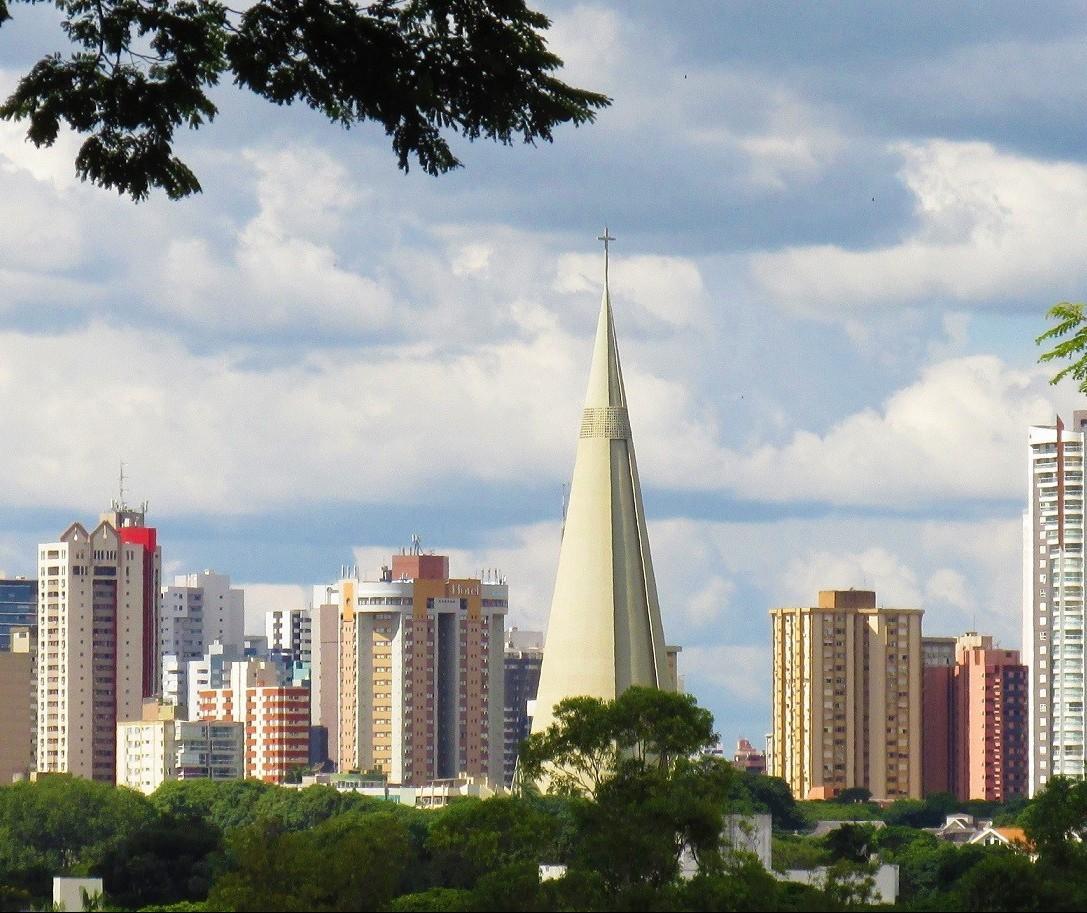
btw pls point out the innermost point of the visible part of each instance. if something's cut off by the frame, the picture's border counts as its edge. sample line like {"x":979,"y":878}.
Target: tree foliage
{"x":1070,"y":327}
{"x":592,"y":738}
{"x":141,"y":69}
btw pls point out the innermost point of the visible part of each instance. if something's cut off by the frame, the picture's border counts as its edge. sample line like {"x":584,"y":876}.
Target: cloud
{"x":872,"y":569}
{"x":261,"y":598}
{"x":526,"y":556}
{"x":928,"y":440}
{"x":990,"y":227}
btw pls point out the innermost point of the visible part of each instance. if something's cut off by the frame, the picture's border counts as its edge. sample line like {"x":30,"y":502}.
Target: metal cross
{"x":605,"y":238}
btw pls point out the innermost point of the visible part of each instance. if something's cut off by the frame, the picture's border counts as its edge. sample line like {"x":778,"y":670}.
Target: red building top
{"x":420,"y":567}
{"x":147,"y":536}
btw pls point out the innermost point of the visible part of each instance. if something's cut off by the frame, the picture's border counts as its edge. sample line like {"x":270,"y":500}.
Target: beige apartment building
{"x":97,"y":640}
{"x":847,"y":679}
{"x":421,"y":672}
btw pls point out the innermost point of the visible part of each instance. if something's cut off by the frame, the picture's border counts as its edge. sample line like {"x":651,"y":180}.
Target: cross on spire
{"x":606,"y":237}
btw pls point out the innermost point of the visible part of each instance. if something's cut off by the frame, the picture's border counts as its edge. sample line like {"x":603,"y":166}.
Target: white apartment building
{"x":290,"y":632}
{"x":161,"y":747}
{"x":97,"y":650}
{"x":196,"y":611}
{"x":1053,"y":599}
{"x":211,"y":671}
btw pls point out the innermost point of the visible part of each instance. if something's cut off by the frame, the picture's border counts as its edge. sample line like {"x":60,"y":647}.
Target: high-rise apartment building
{"x":1053,"y":599}
{"x":97,"y":640}
{"x":324,"y":660}
{"x":18,"y":607}
{"x":847,"y":697}
{"x":522,"y":661}
{"x":421,"y":677}
{"x":196,"y":611}
{"x":975,"y":723}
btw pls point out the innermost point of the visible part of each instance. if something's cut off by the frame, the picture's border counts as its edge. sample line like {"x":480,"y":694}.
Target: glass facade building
{"x":18,"y":607}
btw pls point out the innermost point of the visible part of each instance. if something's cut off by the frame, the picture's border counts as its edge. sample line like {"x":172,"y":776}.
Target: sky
{"x":839,"y":229}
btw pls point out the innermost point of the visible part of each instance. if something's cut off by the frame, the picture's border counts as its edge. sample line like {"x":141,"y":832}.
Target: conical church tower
{"x":604,"y":633}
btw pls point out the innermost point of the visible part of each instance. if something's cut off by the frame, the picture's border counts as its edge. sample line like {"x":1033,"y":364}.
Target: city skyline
{"x":827,"y":289}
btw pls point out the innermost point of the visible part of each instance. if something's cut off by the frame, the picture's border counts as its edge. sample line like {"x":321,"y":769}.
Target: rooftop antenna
{"x":121,"y":487}
{"x":416,"y":544}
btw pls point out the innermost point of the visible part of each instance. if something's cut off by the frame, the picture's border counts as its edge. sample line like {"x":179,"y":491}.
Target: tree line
{"x":630,"y":797}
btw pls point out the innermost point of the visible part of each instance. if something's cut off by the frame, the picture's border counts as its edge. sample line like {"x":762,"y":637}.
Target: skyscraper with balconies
{"x":97,"y":640}
{"x":421,"y":672}
{"x":1053,"y":599}
{"x":847,"y":697}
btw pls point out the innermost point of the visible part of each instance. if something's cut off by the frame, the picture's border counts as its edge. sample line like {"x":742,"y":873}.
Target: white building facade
{"x":1053,"y":622}
{"x":196,"y":611}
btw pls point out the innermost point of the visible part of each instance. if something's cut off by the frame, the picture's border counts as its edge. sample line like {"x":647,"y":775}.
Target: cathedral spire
{"x":604,"y":633}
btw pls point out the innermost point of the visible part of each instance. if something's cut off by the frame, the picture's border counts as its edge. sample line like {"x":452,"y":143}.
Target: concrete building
{"x":325,"y":678}
{"x":521,"y":671}
{"x":604,"y":632}
{"x":975,"y":723}
{"x":161,"y":746}
{"x":290,"y":633}
{"x":97,"y":640}
{"x":196,"y":611}
{"x":18,"y":607}
{"x":1053,"y":599}
{"x":421,"y":676}
{"x":210,"y":672}
{"x":847,"y":697}
{"x":17,"y":705}
{"x":276,"y":717}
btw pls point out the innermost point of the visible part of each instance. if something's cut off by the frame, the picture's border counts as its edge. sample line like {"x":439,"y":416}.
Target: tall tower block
{"x":604,"y":633}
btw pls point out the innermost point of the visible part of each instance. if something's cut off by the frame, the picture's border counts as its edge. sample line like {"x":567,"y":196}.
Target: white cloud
{"x":526,"y":556}
{"x":668,"y":290}
{"x":261,"y":598}
{"x":958,"y":431}
{"x":873,"y":568}
{"x":990,"y":226}
{"x":949,"y":586}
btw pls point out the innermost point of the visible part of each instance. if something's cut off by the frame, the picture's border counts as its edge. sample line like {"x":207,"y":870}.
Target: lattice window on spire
{"x":609,"y":422}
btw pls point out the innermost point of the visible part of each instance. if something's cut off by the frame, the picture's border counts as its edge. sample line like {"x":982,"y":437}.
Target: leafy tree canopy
{"x":590,"y":738}
{"x":140,"y":69}
{"x":1070,"y":328}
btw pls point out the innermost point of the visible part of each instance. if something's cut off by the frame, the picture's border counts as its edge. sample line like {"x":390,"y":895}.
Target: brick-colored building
{"x":276,"y":718}
{"x":976,"y":723}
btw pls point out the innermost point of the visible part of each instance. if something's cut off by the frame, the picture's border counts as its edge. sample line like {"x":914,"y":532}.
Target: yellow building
{"x":847,"y":697}
{"x":421,"y":672}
